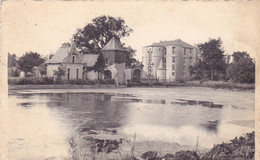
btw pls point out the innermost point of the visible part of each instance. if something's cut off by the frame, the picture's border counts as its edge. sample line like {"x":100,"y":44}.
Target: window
{"x":173,"y":59}
{"x":73,"y":59}
{"x":77,"y":73}
{"x":173,"y":67}
{"x":164,"y":62}
{"x":173,"y":50}
{"x":184,"y":51}
{"x":68,"y":74}
{"x":173,"y":73}
{"x":107,"y":61}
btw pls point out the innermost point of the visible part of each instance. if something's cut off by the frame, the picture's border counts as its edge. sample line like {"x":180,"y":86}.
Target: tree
{"x":99,"y":66}
{"x":43,"y":69}
{"x":242,"y":68}
{"x":50,"y":56}
{"x":212,"y":61}
{"x":94,"y":36}
{"x":28,"y":61}
{"x":11,"y":60}
{"x":130,"y":56}
{"x":60,"y":72}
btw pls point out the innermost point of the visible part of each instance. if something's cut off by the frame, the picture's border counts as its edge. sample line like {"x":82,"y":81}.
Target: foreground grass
{"x":242,"y":148}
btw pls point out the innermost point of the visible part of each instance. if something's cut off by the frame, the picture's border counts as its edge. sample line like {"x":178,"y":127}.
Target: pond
{"x":41,"y":121}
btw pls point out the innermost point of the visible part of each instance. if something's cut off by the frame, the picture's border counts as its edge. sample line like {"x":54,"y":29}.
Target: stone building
{"x":80,"y":66}
{"x":168,"y":60}
{"x":74,"y":62}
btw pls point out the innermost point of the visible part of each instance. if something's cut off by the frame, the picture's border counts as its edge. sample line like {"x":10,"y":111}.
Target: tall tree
{"x":212,"y":58}
{"x":242,"y":68}
{"x":99,"y":66}
{"x":28,"y":61}
{"x":11,"y":60}
{"x":95,"y":35}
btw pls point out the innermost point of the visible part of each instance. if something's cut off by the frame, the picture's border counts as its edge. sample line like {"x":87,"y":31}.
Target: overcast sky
{"x":42,"y":26}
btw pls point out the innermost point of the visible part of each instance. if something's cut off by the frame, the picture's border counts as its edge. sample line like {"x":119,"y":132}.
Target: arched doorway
{"x":107,"y":74}
{"x":137,"y":75}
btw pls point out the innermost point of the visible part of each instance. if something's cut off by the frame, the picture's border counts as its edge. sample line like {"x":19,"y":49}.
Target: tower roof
{"x":113,"y":45}
{"x":161,"y":67}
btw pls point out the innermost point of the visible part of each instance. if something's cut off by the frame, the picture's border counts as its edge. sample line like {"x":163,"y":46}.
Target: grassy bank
{"x":50,"y":83}
{"x":220,"y":85}
{"x":209,"y":84}
{"x":63,"y":86}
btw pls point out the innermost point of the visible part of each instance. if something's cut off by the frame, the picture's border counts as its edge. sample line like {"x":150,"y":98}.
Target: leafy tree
{"x":94,"y":36}
{"x":242,"y":68}
{"x":198,"y":71}
{"x":130,"y":56}
{"x":60,"y":72}
{"x":212,"y":61}
{"x":11,"y":60}
{"x":28,"y":61}
{"x":99,"y":66}
{"x":43,"y":69}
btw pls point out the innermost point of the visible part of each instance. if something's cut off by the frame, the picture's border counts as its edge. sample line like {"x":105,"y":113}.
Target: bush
{"x":107,"y":81}
{"x":31,"y":80}
{"x":239,"y":148}
{"x":220,"y":84}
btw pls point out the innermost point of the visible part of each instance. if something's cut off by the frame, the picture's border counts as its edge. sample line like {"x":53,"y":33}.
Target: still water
{"x":41,"y":121}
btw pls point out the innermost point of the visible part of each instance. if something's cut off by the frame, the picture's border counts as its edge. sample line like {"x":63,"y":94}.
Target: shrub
{"x":239,"y":148}
{"x":107,"y":81}
{"x":31,"y":80}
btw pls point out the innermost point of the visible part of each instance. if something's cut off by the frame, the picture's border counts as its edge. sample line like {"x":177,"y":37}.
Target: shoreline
{"x":111,"y":86}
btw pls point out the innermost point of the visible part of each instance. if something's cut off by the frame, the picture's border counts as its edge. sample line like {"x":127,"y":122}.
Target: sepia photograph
{"x":129,"y":80}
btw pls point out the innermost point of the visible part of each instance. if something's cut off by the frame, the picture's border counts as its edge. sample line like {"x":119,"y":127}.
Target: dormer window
{"x":73,"y":59}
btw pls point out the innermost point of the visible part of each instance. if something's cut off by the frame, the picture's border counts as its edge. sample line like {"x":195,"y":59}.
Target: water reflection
{"x":90,"y":111}
{"x":98,"y":111}
{"x":25,"y":104}
{"x":178,"y":119}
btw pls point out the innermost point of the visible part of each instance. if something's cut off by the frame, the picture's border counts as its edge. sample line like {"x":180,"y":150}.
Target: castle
{"x":168,"y":61}
{"x":165,"y":61}
{"x":80,"y":66}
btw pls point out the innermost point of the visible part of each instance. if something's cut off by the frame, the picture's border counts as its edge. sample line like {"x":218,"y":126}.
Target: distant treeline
{"x":214,"y":65}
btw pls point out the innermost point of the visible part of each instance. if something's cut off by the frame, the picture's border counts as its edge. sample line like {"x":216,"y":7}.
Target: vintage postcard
{"x":129,"y":80}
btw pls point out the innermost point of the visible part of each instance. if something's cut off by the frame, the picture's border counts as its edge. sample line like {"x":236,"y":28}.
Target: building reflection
{"x":98,"y":111}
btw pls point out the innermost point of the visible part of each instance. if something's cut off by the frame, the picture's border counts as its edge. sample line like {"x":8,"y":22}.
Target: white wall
{"x":51,"y":68}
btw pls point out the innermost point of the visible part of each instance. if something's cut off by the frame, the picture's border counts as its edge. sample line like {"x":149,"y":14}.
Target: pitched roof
{"x":113,"y":44}
{"x":174,"y":43}
{"x":60,"y":54}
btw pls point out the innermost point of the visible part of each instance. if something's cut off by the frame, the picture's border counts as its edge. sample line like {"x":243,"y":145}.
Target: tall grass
{"x":239,"y":148}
